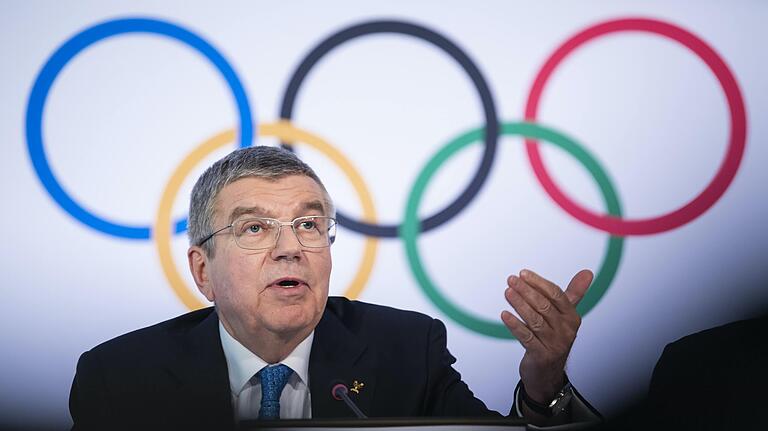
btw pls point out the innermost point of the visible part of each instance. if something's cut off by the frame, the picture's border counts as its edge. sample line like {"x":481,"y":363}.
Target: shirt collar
{"x":243,"y":364}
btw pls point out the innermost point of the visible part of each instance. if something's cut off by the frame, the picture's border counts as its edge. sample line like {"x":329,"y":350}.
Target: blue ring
{"x":67,"y":52}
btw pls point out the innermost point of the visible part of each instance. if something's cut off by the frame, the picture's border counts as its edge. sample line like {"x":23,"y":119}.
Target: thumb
{"x":578,"y":286}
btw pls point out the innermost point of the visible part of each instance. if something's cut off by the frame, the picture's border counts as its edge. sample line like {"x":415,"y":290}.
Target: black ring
{"x":489,"y":111}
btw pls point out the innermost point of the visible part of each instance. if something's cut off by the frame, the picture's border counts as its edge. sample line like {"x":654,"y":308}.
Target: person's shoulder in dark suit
{"x":714,"y":378}
{"x":152,"y":344}
{"x":153,"y":377}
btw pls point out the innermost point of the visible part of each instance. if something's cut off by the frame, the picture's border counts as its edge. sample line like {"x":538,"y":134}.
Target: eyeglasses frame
{"x":280,"y":225}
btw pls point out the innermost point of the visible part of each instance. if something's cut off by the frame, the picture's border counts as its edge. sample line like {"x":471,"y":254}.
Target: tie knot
{"x":273,"y":380}
{"x":275,"y":375}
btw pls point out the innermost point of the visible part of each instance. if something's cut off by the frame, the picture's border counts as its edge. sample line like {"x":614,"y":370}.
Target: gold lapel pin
{"x":356,"y":386}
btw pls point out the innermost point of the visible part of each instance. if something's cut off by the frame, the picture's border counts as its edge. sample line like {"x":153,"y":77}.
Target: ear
{"x":198,"y":266}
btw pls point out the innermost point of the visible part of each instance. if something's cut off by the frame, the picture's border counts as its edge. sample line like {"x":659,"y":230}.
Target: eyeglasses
{"x":261,"y":233}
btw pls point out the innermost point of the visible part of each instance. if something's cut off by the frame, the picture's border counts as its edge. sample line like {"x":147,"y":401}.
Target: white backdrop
{"x":123,"y":112}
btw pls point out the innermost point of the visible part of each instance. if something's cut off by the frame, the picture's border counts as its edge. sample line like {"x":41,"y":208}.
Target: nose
{"x":287,"y":246}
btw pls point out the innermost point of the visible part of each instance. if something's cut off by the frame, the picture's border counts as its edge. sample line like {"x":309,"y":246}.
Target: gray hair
{"x":261,"y":162}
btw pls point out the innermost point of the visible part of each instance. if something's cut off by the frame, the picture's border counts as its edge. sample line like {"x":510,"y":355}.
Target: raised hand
{"x":547,"y":330}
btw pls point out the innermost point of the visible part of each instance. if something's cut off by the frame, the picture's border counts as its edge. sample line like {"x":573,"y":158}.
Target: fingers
{"x":520,"y":330}
{"x":530,"y":305}
{"x":547,"y":312}
{"x":550,"y":290}
{"x":540,"y":313}
{"x":564,"y":301}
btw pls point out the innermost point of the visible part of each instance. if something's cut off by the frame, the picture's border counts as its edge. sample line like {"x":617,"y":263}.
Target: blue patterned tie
{"x":273,"y":380}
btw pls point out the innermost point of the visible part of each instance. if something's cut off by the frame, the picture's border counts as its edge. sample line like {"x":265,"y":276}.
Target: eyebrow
{"x":257,"y":211}
{"x":241,"y":211}
{"x":313,"y":206}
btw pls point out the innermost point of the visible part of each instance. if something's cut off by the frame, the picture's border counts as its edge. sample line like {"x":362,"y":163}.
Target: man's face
{"x":245,"y":284}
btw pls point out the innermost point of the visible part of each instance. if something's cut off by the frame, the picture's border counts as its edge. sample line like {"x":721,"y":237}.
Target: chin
{"x":290,"y":319}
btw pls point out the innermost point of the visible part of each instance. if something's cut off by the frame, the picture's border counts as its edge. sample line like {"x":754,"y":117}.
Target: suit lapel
{"x":339,"y":356}
{"x":201,"y":369}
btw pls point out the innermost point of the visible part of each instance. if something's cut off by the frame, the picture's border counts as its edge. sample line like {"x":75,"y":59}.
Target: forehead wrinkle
{"x":257,"y":211}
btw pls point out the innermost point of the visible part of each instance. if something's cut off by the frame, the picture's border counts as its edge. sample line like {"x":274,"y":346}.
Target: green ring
{"x":410,"y":228}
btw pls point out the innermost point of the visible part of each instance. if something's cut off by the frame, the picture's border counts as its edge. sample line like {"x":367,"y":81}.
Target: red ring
{"x":726,"y":172}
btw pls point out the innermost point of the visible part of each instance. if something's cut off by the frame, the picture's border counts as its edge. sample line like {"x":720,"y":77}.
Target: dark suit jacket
{"x":714,"y":379}
{"x":174,"y":374}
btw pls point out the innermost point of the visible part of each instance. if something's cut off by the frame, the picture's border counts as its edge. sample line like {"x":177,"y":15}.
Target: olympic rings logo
{"x":612,"y":222}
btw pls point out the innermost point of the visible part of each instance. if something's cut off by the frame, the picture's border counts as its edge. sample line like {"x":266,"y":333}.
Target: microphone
{"x":339,"y":392}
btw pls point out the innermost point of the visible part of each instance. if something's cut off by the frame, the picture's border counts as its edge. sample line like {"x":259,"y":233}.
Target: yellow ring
{"x":285,"y":131}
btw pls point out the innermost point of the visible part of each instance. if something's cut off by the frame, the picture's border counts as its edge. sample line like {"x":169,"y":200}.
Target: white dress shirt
{"x":295,"y":402}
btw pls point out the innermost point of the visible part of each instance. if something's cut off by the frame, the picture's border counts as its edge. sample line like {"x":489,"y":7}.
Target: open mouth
{"x":288,"y":282}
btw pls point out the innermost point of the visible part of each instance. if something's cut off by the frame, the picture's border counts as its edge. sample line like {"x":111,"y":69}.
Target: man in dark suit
{"x":714,"y":379}
{"x":275,"y":344}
